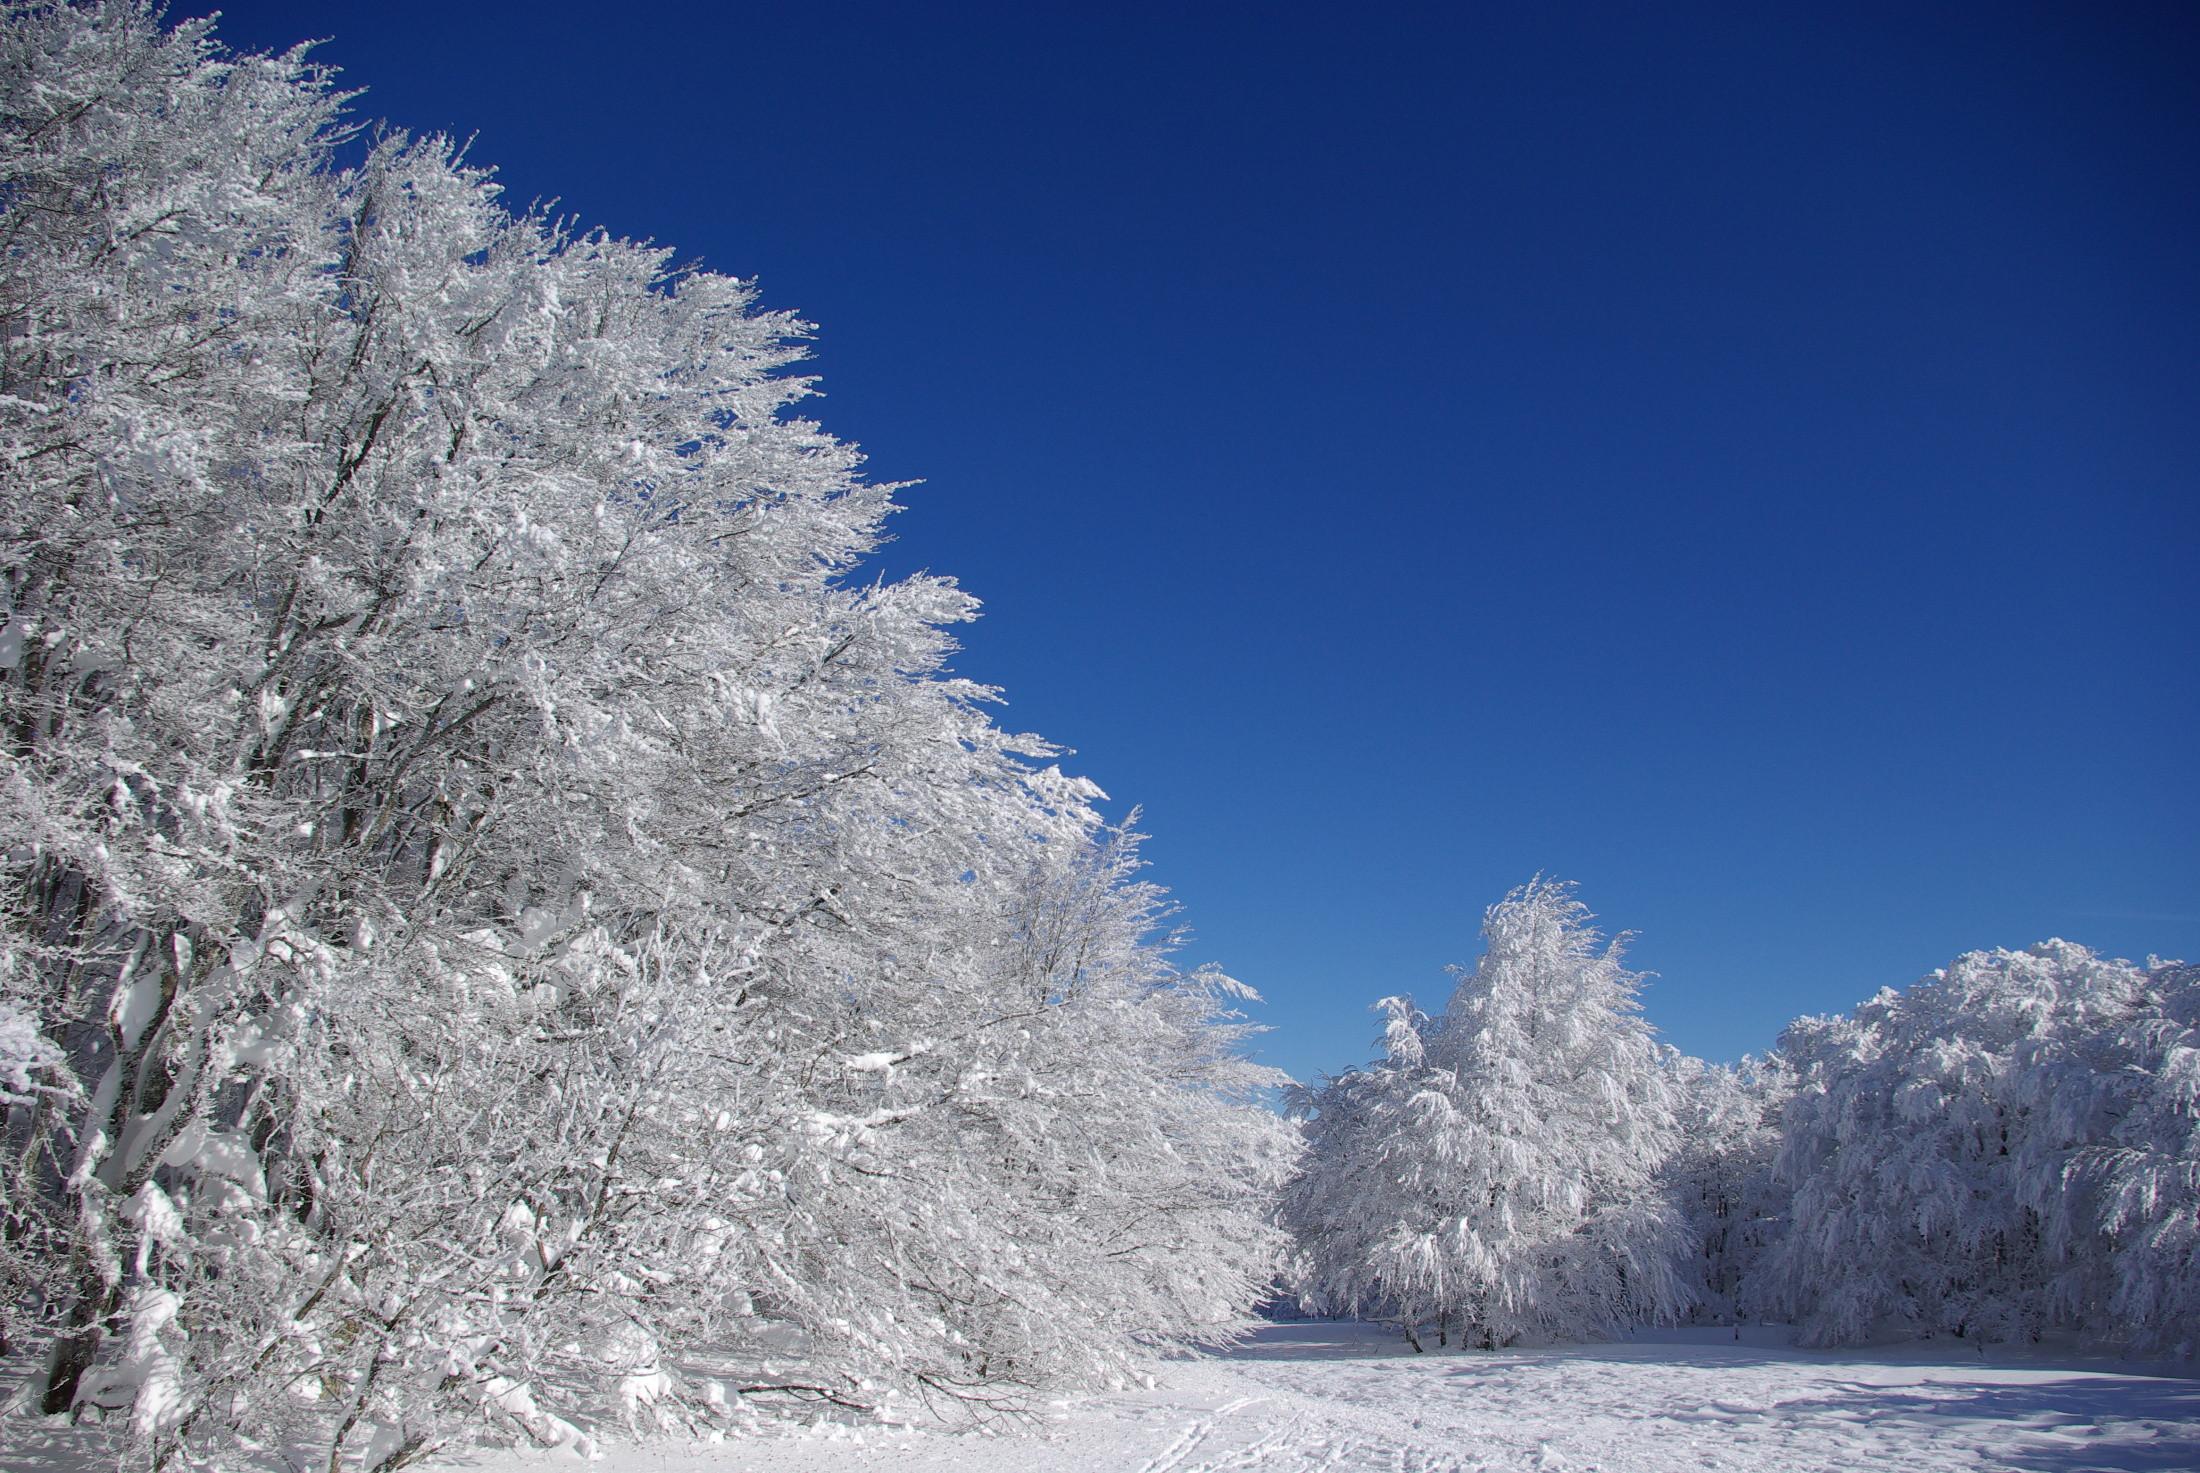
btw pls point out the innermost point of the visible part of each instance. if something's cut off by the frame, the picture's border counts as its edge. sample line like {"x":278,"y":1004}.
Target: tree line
{"x":2007,"y":1149}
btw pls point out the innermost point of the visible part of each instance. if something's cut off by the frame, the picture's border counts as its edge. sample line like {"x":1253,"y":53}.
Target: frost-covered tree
{"x":1722,"y":1177}
{"x":2006,"y":1148}
{"x":492,"y":906}
{"x":2131,"y":1194}
{"x":1498,"y":1170}
{"x":1361,"y":1219}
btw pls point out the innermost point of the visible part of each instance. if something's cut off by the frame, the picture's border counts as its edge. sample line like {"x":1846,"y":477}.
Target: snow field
{"x":1340,"y":1398}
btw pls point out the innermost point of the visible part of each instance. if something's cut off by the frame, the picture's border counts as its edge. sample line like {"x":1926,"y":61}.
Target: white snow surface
{"x":1297,"y":1398}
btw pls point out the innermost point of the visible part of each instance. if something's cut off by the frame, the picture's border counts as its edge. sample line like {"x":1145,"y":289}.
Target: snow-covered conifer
{"x":1498,"y":1171}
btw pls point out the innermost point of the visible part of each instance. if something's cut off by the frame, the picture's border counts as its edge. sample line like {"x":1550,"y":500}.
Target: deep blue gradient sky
{"x":1739,"y":457}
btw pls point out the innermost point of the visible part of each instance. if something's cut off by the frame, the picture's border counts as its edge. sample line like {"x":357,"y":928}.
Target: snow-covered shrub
{"x":500,"y":907}
{"x":1497,"y":1172}
{"x":2006,"y":1148}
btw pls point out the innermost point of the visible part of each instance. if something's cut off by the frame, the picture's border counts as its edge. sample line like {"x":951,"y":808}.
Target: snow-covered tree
{"x":2131,"y":1194}
{"x":497,"y":906}
{"x":2006,"y":1148}
{"x":1361,"y":1220}
{"x":1498,"y":1170}
{"x":1722,"y":1176}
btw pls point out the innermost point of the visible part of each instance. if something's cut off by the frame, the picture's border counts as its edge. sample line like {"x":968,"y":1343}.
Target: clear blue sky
{"x":1741,"y":458}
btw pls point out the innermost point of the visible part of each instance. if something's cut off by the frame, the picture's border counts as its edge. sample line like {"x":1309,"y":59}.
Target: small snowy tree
{"x":1361,"y":1219}
{"x":1498,"y":1170}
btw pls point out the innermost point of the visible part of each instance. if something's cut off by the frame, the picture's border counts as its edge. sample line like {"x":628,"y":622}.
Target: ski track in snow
{"x":1323,"y":1398}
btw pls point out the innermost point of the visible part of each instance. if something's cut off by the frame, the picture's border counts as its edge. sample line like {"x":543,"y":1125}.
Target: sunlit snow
{"x":1345,"y":1397}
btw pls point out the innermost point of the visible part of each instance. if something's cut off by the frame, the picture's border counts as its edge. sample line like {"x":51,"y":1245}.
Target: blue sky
{"x":1741,"y":458}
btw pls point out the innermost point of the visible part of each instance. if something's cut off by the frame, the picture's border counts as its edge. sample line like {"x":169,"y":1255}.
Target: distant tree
{"x":1722,"y":1177}
{"x":1360,"y":1215}
{"x":1498,"y":1171}
{"x":2132,"y":1192}
{"x":2006,"y":1148}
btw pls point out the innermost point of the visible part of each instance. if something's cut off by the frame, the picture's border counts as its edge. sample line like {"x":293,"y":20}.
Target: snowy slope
{"x":1299,"y":1398}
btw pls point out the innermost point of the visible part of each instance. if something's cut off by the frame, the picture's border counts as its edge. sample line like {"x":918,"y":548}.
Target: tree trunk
{"x":78,"y":1346}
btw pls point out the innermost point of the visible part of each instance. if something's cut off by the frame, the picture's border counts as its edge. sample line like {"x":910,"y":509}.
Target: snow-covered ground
{"x":1304,"y":1397}
{"x":1337,"y":1398}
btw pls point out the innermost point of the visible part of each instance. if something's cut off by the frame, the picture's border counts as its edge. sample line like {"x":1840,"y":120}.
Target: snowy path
{"x":1340,"y":1398}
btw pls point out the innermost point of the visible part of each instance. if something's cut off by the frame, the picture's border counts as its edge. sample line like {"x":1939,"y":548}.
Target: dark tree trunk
{"x":78,"y":1346}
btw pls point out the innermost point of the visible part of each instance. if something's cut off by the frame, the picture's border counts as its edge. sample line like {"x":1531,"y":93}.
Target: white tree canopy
{"x":1498,"y":1170}
{"x":2004,"y":1149}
